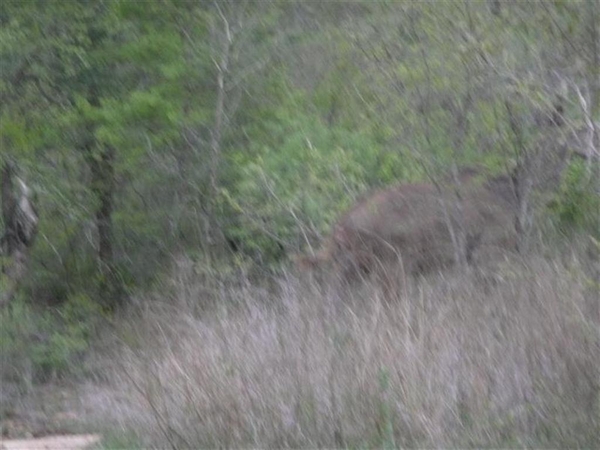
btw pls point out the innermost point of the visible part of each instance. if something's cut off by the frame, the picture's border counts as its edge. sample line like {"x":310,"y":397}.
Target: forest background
{"x":210,"y":142}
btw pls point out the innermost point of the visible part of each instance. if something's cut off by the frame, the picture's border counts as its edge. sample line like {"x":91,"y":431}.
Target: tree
{"x":104,"y":74}
{"x":229,"y":46}
{"x":20,"y":222}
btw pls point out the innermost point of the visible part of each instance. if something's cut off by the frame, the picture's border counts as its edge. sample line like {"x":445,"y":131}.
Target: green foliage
{"x":81,"y":79}
{"x":386,"y":415}
{"x":13,"y":132}
{"x":298,"y":172}
{"x":321,"y":102}
{"x":119,"y":440}
{"x":576,"y":205}
{"x":39,"y":344}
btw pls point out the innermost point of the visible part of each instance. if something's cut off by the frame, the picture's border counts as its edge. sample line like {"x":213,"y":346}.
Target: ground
{"x":60,"y":442}
{"x":45,"y":417}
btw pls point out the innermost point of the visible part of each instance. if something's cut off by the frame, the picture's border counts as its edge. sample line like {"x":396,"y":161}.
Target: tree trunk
{"x":20,"y":221}
{"x":594,"y":86}
{"x":103,"y":182}
{"x":594,"y":151}
{"x":214,"y":236}
{"x":103,"y":187}
{"x":522,"y":181}
{"x":9,"y":203}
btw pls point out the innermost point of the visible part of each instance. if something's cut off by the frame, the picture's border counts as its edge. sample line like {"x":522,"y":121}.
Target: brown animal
{"x":431,"y":225}
{"x":420,"y":226}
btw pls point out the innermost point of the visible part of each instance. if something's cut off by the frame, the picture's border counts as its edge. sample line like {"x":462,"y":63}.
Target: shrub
{"x":577,"y":203}
{"x":36,"y":344}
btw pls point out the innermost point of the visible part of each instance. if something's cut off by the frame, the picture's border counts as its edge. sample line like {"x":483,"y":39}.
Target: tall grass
{"x":507,"y":359}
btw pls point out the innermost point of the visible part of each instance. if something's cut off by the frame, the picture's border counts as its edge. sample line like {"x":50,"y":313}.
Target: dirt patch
{"x":43,"y":411}
{"x":78,"y":442}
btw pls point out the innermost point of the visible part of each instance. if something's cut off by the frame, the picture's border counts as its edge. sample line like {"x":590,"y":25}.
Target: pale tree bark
{"x":222,"y":74}
{"x":462,"y":108}
{"x":459,"y":107}
{"x":594,"y":146}
{"x":522,"y":180}
{"x":594,"y":87}
{"x":21,"y":223}
{"x":235,"y":59}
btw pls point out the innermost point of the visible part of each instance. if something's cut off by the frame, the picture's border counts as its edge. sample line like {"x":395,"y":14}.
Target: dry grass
{"x":458,"y":360}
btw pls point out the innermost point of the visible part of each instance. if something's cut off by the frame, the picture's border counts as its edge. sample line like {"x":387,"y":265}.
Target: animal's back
{"x":414,"y":223}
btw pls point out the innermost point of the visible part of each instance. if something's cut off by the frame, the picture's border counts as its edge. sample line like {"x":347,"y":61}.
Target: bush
{"x":37,"y":344}
{"x":296,"y":174}
{"x":577,"y":204}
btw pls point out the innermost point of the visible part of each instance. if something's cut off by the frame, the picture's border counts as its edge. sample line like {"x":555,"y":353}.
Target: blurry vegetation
{"x":240,"y":130}
{"x":577,"y":204}
{"x":39,"y":345}
{"x":233,"y":133}
{"x":507,"y":359}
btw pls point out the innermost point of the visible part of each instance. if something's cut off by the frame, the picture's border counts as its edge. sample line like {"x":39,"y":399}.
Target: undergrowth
{"x":489,"y":358}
